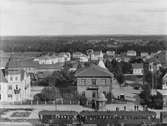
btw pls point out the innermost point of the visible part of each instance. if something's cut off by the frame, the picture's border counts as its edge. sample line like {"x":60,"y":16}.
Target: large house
{"x":94,"y":79}
{"x":14,"y":86}
{"x":96,"y":55}
{"x":53,"y":59}
{"x":131,"y":53}
{"x":80,"y":57}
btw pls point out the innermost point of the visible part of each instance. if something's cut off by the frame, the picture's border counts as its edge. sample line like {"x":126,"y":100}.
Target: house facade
{"x":80,"y":57}
{"x":53,"y":59}
{"x":14,"y":86}
{"x":164,"y":81}
{"x":96,"y":55}
{"x":94,"y":79}
{"x":137,"y":69}
{"x":131,"y":53}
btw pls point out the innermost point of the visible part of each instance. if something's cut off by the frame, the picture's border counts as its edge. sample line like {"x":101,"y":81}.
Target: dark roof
{"x":2,"y":77}
{"x":45,"y":112}
{"x":50,"y":66}
{"x":94,"y":70}
{"x":138,"y":113}
{"x":21,"y":63}
{"x":137,"y":65}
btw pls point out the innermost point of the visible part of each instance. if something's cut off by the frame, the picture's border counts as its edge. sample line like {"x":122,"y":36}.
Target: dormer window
{"x":93,"y":81}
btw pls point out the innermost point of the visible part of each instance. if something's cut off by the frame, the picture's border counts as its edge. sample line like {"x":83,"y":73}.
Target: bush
{"x":155,"y":101}
{"x":48,"y":94}
{"x":83,"y":100}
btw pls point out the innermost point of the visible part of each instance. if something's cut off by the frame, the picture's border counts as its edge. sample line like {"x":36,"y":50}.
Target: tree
{"x":62,"y":78}
{"x":116,"y":69}
{"x":155,"y":101}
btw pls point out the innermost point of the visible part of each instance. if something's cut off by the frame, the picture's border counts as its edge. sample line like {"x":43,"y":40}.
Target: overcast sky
{"x":80,"y":17}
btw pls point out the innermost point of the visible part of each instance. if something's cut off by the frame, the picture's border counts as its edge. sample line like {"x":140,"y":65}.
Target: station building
{"x":94,"y":79}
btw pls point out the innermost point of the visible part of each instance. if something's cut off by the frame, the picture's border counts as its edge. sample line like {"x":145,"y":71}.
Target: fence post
{"x":70,"y":102}
{"x":31,"y":102}
{"x":45,"y":102}
{"x":62,"y":101}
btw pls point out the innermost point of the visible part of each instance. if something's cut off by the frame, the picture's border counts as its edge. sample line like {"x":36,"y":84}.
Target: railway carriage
{"x":57,"y":118}
{"x":97,"y":118}
{"x":110,"y":118}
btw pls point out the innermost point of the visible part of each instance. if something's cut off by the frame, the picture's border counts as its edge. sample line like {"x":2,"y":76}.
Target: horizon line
{"x":71,"y":35}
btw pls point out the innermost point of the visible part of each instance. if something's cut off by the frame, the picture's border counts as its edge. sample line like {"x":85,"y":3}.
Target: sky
{"x":83,"y":17}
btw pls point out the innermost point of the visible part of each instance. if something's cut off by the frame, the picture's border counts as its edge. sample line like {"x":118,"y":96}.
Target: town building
{"x":158,"y":59}
{"x":14,"y":86}
{"x":164,"y":81}
{"x":81,"y":57}
{"x":144,"y":54}
{"x":131,"y":53}
{"x":94,"y":79}
{"x":96,"y":55}
{"x":53,"y":59}
{"x":110,"y":53}
{"x":137,"y":69}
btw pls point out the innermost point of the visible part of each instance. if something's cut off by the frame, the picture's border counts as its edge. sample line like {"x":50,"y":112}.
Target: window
{"x":16,"y":86}
{"x":0,"y":87}
{"x":11,"y":78}
{"x":83,"y":93}
{"x":93,"y":94}
{"x":83,"y":81}
{"x":16,"y":78}
{"x":93,"y":81}
{"x":103,"y":81}
{"x":9,"y":95}
{"x":9,"y":87}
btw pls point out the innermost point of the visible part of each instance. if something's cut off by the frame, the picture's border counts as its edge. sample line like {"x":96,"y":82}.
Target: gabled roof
{"x":95,"y":71}
{"x":2,"y":77}
{"x":159,"y":57}
{"x":18,"y":63}
{"x":165,"y":76}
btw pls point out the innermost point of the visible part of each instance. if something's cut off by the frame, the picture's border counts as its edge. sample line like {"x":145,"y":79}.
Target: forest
{"x":72,"y":44}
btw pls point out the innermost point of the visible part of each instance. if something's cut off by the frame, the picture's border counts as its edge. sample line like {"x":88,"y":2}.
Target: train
{"x":97,"y":118}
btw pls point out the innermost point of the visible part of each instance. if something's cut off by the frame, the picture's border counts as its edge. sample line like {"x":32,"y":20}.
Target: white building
{"x":53,"y":59}
{"x":14,"y":86}
{"x":131,"y":53}
{"x":80,"y":57}
{"x":98,"y":55}
{"x":144,"y":54}
{"x":138,"y":69}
